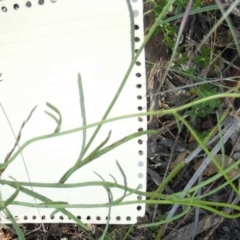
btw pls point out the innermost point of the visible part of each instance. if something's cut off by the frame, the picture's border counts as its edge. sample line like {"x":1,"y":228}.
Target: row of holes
{"x":118,"y":218}
{"x":139,"y":86}
{"x":41,"y":2}
{"x":138,"y":75}
{"x":28,"y":4}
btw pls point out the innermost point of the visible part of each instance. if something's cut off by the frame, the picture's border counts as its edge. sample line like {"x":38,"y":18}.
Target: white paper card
{"x":42,"y":50}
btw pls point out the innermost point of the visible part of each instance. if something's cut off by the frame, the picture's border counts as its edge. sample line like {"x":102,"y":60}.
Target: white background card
{"x":42,"y":50}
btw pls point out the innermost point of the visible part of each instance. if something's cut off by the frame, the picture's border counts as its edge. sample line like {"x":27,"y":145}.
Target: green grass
{"x":188,"y":197}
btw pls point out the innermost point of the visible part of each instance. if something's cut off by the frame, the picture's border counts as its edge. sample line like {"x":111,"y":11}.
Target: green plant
{"x":203,"y":59}
{"x":207,"y":99}
{"x":202,"y":110}
{"x":169,"y":32}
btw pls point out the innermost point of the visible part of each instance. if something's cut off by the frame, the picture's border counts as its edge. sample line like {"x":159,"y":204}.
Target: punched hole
{"x":139,"y":208}
{"x":140,"y":141}
{"x":88,"y":218}
{"x":28,"y":4}
{"x":140,"y":119}
{"x":135,"y":13}
{"x":25,"y":218}
{"x":138,"y":74}
{"x":4,"y":9}
{"x":139,"y":97}
{"x":137,"y":39}
{"x":16,"y":6}
{"x":139,"y":108}
{"x":140,"y":164}
{"x":140,"y":129}
{"x":140,"y":153}
{"x":138,"y":63}
{"x":118,"y":218}
{"x":139,"y":197}
{"x":98,"y":218}
{"x":128,"y":218}
{"x":140,"y":175}
{"x":136,"y":27}
{"x":139,"y":85}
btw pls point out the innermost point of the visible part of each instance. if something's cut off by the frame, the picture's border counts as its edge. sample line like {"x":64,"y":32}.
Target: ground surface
{"x":170,"y":142}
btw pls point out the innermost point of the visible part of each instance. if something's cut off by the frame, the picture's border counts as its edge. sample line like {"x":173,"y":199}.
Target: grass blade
{"x":83,"y":113}
{"x":130,"y":10}
{"x":97,"y":154}
{"x":124,"y":180}
{"x":15,"y":225}
{"x":80,"y":163}
{"x":4,"y":204}
{"x":110,"y":199}
{"x":57,"y":120}
{"x":109,"y":214}
{"x":45,"y":199}
{"x":152,"y":30}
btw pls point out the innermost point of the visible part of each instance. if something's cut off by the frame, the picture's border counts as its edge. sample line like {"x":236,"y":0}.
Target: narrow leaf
{"x":118,"y":143}
{"x":15,"y":225}
{"x":4,"y":204}
{"x":130,"y":10}
{"x":45,"y":199}
{"x":125,"y":181}
{"x":80,"y":163}
{"x":83,"y":113}
{"x":57,"y":120}
{"x":95,"y":151}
